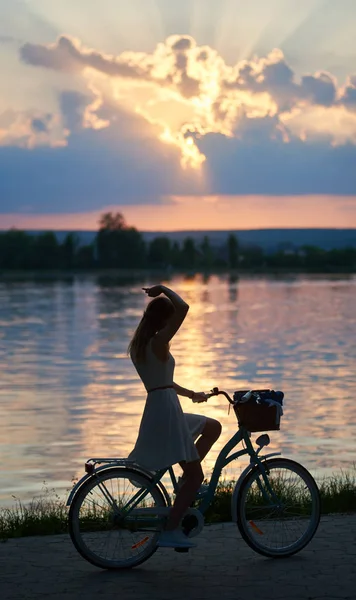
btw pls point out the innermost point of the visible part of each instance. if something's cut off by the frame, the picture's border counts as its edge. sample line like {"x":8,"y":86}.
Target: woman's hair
{"x":155,"y":317}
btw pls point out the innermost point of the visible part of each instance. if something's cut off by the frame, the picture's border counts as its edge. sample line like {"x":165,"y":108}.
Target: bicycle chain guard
{"x":192,"y":522}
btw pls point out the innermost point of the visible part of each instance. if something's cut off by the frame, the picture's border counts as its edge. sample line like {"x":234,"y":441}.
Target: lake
{"x":68,"y":389}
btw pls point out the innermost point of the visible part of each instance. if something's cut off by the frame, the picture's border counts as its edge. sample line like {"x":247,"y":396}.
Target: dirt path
{"x":221,"y":567}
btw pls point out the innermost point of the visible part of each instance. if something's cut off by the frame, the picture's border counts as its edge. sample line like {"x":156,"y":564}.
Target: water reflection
{"x":69,"y":390}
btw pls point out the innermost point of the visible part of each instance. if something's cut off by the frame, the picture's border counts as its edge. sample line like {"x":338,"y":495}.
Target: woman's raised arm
{"x":180,"y":311}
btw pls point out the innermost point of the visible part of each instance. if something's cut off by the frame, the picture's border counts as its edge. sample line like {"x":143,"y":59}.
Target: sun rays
{"x":153,"y":99}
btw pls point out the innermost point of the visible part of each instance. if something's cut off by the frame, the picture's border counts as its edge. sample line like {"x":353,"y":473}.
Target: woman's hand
{"x":154,"y":291}
{"x":199,"y":397}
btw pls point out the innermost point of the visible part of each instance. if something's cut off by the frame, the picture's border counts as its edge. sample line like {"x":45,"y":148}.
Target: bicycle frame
{"x":226,"y":458}
{"x":123,"y":499}
{"x":222,"y":461}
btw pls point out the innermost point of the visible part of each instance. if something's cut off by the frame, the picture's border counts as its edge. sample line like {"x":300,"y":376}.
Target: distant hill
{"x":271,"y":239}
{"x":268,"y":239}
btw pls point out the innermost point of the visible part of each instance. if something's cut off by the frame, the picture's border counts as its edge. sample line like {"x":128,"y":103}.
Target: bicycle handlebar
{"x":215,"y":392}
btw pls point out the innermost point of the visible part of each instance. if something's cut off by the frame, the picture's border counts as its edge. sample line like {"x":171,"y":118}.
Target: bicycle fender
{"x":138,"y":469}
{"x":83,"y":480}
{"x":235,"y":493}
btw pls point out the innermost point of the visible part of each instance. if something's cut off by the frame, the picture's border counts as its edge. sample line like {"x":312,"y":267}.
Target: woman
{"x":166,"y":435}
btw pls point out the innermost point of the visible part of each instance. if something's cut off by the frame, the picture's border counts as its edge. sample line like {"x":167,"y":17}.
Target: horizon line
{"x":188,"y":230}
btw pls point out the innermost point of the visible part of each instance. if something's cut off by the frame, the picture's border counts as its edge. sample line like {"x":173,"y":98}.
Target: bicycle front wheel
{"x":278,"y":518}
{"x":102,"y":527}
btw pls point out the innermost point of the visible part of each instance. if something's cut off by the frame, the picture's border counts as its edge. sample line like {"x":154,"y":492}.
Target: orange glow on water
{"x":69,"y":391}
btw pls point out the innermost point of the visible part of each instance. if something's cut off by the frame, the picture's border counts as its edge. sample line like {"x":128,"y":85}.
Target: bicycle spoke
{"x":278,"y":519}
{"x":100,"y":528}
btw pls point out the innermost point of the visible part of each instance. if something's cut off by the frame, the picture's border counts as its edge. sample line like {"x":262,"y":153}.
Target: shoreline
{"x":48,"y":514}
{"x":129,"y":273}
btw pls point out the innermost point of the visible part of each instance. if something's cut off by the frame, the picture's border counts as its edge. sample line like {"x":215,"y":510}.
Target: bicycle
{"x":118,"y":508}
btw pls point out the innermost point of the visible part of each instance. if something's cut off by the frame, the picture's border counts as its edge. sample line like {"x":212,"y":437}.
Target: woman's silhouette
{"x":166,"y":435}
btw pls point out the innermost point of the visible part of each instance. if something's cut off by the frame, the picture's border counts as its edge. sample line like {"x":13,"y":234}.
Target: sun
{"x":190,"y":153}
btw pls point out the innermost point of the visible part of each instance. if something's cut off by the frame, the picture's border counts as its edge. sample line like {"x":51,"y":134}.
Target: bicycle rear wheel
{"x":97,"y":524}
{"x":282,"y":522}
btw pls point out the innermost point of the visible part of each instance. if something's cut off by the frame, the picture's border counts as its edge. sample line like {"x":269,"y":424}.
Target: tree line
{"x":117,"y":245}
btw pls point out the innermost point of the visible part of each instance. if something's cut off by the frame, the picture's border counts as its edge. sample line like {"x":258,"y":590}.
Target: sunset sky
{"x":189,"y":114}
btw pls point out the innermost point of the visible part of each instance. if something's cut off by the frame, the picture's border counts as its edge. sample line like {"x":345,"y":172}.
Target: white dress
{"x":166,"y":435}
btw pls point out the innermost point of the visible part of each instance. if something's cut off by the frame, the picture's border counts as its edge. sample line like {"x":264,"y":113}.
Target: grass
{"x":48,"y":515}
{"x":45,"y":515}
{"x":337,"y":493}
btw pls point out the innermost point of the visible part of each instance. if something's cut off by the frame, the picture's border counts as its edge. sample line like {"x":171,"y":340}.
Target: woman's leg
{"x":193,"y":474}
{"x":193,"y":477}
{"x":208,"y":437}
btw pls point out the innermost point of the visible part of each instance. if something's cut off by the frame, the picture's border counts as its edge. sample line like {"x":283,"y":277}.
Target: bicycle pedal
{"x":181,"y":549}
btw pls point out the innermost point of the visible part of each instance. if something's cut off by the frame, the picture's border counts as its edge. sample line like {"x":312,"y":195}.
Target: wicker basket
{"x":257,"y":417}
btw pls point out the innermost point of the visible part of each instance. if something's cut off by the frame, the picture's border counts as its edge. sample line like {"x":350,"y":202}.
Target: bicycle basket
{"x":258,"y":413}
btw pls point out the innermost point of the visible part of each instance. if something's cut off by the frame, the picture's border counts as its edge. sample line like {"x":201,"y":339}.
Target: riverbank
{"x":47,"y":515}
{"x":221,"y":566}
{"x":165,"y":274}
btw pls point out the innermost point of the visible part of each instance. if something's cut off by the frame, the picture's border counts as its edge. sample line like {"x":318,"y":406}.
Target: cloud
{"x":259,"y":165}
{"x":180,"y":63}
{"x":348,"y":97}
{"x":72,"y":105}
{"x":188,"y":91}
{"x":250,"y":128}
{"x":319,"y":89}
{"x":29,"y":129}
{"x":111,"y":166}
{"x":61,"y":56}
{"x":108,"y":165}
{"x":39,"y":125}
{"x":67,"y":54}
{"x":335,"y":126}
{"x":168,"y":65}
{"x":273,"y":75}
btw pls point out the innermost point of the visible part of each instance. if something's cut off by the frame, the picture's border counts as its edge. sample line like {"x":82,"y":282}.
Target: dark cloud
{"x":270,"y":74}
{"x":259,"y":130}
{"x":67,"y":55}
{"x":71,"y":105}
{"x":30,"y":128}
{"x":61,"y":56}
{"x":116,"y":156}
{"x":274,"y":76}
{"x":348,"y":97}
{"x":319,"y":89}
{"x":188,"y":86}
{"x":40,"y":125}
{"x":182,"y":44}
{"x":257,"y":164}
{"x":98,"y":167}
{"x":108,"y":166}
